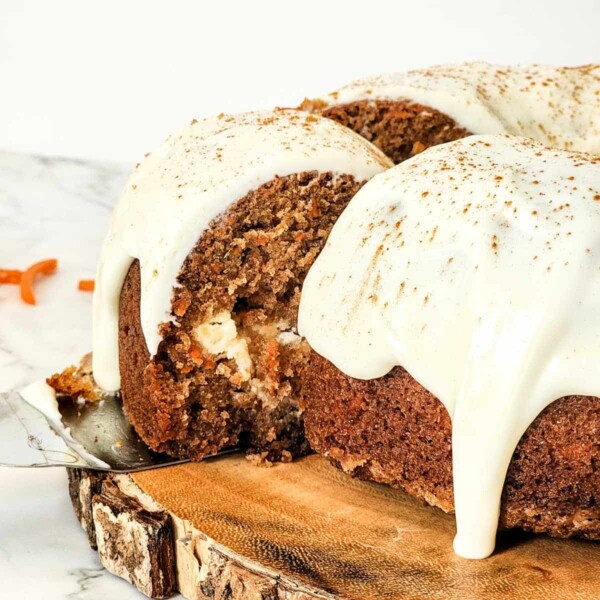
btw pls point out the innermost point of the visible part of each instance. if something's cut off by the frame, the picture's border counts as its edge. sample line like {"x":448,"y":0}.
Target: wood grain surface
{"x":336,"y":536}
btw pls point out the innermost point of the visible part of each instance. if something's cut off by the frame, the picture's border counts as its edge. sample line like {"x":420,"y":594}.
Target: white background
{"x":110,"y":79}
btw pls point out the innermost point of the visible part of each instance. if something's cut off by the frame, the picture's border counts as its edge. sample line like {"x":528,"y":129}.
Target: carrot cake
{"x":456,"y":356}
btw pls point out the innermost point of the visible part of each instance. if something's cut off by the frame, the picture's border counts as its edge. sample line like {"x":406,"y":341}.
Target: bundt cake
{"x":199,"y":278}
{"x":404,"y":113}
{"x":456,"y":355}
{"x":446,"y":339}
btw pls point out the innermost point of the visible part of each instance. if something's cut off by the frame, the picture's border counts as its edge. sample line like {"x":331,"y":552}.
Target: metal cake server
{"x":89,"y":435}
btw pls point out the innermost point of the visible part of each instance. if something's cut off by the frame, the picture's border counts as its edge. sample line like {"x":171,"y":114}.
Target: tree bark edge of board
{"x":161,"y":554}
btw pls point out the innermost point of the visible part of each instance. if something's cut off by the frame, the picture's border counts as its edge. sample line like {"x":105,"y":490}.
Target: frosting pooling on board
{"x":476,"y":267}
{"x":557,"y":106}
{"x":176,"y":192}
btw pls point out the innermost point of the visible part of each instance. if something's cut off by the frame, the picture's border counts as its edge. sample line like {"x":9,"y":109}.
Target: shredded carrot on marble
{"x":10,"y":276}
{"x":86,"y":285}
{"x":44,"y":267}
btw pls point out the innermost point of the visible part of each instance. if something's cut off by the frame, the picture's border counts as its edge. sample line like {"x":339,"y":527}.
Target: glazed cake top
{"x":557,"y":106}
{"x":476,"y":268}
{"x":175,"y":193}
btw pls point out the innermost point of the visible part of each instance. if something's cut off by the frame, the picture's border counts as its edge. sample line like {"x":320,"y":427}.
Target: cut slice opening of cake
{"x":199,"y":279}
{"x":227,"y":368}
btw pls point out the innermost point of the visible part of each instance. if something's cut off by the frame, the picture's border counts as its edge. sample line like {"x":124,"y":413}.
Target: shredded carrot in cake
{"x":86,"y":285}
{"x":44,"y":267}
{"x":10,"y":276}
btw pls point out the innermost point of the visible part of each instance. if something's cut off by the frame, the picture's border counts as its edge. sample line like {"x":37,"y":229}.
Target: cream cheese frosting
{"x":43,"y":398}
{"x":177,"y":191}
{"x":476,"y":267}
{"x":557,"y":106}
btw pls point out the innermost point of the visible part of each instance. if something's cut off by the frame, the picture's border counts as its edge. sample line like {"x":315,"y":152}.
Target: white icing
{"x":178,"y":190}
{"x":43,"y":398}
{"x":557,"y":106}
{"x":476,"y":267}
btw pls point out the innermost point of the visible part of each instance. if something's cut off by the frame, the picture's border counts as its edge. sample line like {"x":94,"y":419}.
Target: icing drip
{"x":557,"y":106}
{"x":43,"y":398}
{"x":476,"y":268}
{"x":178,"y":190}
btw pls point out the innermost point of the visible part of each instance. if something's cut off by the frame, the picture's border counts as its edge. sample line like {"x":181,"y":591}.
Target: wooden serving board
{"x":227,"y":529}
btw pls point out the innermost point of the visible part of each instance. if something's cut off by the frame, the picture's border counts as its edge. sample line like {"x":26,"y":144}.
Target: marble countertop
{"x":49,"y":208}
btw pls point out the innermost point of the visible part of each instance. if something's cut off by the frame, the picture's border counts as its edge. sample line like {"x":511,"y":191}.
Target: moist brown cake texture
{"x":399,"y":128}
{"x":248,"y":265}
{"x":392,"y":430}
{"x":77,"y":382}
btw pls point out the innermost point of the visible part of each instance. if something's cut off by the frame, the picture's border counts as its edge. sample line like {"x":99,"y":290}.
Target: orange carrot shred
{"x":86,"y":285}
{"x":44,"y":267}
{"x":10,"y":276}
